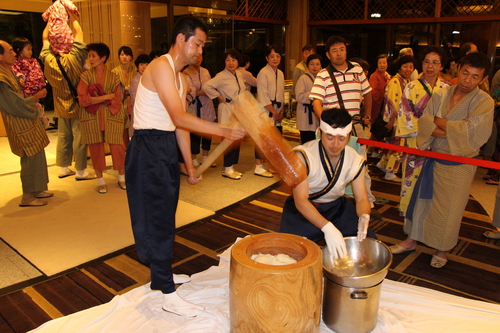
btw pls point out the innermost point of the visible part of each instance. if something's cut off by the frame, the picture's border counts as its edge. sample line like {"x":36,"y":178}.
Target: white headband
{"x":343,"y":131}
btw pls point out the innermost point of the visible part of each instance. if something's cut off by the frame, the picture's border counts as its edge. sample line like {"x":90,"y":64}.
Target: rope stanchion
{"x":432,"y":154}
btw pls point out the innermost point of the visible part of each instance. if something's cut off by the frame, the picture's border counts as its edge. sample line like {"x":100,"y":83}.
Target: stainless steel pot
{"x":365,"y":264}
{"x":352,"y":285}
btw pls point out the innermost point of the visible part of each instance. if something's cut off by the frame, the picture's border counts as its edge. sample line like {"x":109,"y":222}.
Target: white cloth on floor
{"x":403,"y":308}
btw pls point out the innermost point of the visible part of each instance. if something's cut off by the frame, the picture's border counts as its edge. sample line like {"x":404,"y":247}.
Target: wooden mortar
{"x":268,"y":298}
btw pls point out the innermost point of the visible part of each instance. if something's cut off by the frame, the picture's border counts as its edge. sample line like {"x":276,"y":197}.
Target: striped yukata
{"x":27,"y":137}
{"x":106,"y":124}
{"x":126,"y":78}
{"x":435,"y":220}
{"x":65,"y":106}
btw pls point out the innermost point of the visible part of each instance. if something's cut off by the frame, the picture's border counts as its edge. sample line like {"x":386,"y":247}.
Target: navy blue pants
{"x":152,"y":170}
{"x":195,"y":143}
{"x":306,"y":136}
{"x":232,"y":154}
{"x":340,"y":212}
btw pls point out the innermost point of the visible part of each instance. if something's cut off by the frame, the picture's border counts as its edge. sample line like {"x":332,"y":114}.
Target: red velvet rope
{"x":433,"y":154}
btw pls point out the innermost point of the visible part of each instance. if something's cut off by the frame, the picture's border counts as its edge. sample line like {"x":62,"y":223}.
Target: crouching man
{"x":318,"y":207}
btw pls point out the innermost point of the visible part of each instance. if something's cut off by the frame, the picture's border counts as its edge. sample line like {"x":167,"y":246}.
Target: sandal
{"x":492,"y":181}
{"x":263,"y":173}
{"x":438,"y":262}
{"x":493,"y":234}
{"x":232,"y":175}
{"x":33,"y":203}
{"x":398,"y":249}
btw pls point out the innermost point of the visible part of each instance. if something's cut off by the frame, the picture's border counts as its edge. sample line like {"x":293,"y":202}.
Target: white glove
{"x":334,"y":240}
{"x":363,"y":222}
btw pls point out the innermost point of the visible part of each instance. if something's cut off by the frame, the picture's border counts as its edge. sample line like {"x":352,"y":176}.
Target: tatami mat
{"x":14,"y":268}
{"x":79,"y":225}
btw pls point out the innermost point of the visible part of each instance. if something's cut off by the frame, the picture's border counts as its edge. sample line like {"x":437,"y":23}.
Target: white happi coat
{"x":348,"y":168}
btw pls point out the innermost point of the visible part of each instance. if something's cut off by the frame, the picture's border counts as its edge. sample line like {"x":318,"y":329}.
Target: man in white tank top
{"x":318,"y":207}
{"x":160,"y":125}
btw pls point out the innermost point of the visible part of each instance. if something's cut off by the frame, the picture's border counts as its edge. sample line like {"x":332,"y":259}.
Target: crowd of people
{"x":158,"y":115}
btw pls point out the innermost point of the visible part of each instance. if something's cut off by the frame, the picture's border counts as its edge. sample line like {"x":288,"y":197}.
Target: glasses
{"x":433,"y":63}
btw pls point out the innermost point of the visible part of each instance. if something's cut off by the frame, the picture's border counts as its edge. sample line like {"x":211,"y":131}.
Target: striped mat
{"x":473,"y":269}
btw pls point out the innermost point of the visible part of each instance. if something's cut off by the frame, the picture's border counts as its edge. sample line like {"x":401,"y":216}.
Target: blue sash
{"x":425,"y":183}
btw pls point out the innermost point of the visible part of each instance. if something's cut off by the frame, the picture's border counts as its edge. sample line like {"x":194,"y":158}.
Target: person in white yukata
{"x":270,"y":94}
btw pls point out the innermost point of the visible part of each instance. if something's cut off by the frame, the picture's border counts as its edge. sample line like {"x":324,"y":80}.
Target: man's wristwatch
{"x":367,"y":117}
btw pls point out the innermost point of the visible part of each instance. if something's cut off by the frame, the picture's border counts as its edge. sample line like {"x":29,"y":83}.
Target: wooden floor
{"x":473,"y":269}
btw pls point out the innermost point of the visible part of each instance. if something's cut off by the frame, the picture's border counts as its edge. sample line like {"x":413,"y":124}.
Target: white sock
{"x":181,"y":278}
{"x":228,"y":170}
{"x":176,"y":305}
{"x":390,"y":175}
{"x":81,"y":173}
{"x":121,"y":178}
{"x":204,"y":158}
{"x":65,"y":170}
{"x":100,"y":181}
{"x":195,"y":162}
{"x":259,"y":168}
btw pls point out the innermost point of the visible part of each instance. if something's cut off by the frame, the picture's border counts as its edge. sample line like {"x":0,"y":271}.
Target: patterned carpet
{"x":473,"y":269}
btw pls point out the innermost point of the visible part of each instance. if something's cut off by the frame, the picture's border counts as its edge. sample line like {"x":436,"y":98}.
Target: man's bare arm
{"x":367,"y":105}
{"x":441,"y":123}
{"x":317,"y":107}
{"x":159,"y":77}
{"x":73,"y":19}
{"x":439,"y":133}
{"x":360,"y":194}
{"x":45,"y":37}
{"x":305,"y":207}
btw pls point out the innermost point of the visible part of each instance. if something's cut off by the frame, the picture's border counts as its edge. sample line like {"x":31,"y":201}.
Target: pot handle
{"x":358,"y":294}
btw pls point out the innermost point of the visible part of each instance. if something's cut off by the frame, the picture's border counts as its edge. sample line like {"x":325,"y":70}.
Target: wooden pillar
{"x":171,"y":20}
{"x":135,"y":20}
{"x":297,"y":34}
{"x":492,"y":45}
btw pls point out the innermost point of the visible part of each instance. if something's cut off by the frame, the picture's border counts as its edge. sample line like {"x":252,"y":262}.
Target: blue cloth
{"x":424,"y":186}
{"x":340,"y":212}
{"x":309,"y":109}
{"x":198,"y":107}
{"x":276,"y":106}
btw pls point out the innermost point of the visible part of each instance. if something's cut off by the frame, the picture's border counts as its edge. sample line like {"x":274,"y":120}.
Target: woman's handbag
{"x":379,"y":130}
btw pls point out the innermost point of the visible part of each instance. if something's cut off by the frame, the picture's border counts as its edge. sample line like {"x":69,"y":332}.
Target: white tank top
{"x":149,"y":111}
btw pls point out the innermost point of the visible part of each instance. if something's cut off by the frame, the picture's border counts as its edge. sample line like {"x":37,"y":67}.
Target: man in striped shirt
{"x":65,"y":105}
{"x":353,"y":86}
{"x":351,"y":80}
